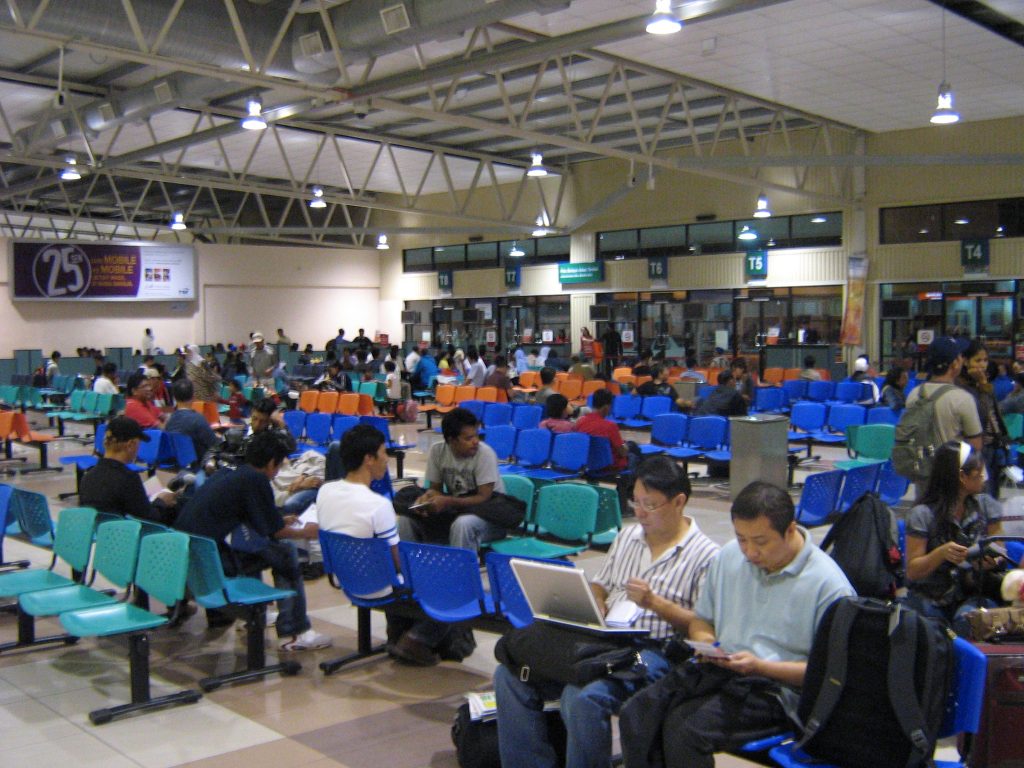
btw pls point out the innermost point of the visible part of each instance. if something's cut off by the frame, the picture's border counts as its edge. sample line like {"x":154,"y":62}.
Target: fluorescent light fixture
{"x":178,"y":221}
{"x":961,"y":221}
{"x":763,"y":211}
{"x":663,"y":21}
{"x":318,"y":198}
{"x":537,"y":168}
{"x":922,"y":231}
{"x":382,"y":242}
{"x":818,"y":220}
{"x":254,"y":120}
{"x":516,"y":250}
{"x":747,"y":233}
{"x":70,"y":171}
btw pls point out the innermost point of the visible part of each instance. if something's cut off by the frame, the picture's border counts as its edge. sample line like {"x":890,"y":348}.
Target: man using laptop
{"x":658,"y":564}
{"x":761,"y":604}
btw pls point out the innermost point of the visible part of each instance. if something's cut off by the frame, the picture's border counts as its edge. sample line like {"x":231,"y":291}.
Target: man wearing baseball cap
{"x":112,"y":486}
{"x":262,"y":362}
{"x":955,"y":411}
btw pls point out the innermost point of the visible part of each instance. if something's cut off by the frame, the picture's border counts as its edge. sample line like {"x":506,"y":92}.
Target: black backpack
{"x":864,"y":542}
{"x":876,"y":686}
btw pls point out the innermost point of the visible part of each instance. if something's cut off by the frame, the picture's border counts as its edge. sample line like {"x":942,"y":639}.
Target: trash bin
{"x":759,"y":451}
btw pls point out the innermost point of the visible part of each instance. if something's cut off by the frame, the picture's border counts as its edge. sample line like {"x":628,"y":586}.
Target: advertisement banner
{"x":853,"y":317}
{"x":65,"y":271}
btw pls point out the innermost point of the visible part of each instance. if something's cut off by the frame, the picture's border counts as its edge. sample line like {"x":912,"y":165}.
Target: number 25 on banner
{"x":756,"y":265}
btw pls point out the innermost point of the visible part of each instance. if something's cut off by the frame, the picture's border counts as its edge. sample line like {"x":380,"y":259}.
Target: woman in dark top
{"x":974,"y":378}
{"x":953,"y":514}
{"x":892,"y":389}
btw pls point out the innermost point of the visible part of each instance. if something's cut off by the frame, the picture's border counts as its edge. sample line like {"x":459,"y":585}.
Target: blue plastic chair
{"x":184,"y":450}
{"x":1002,"y":386}
{"x":819,"y":498}
{"x":445,"y":581}
{"x":476,"y":407}
{"x":706,"y":433}
{"x":7,"y":519}
{"x":848,"y":392}
{"x":343,"y":424}
{"x":882,"y":415}
{"x":152,"y":453}
{"x":508,"y":596}
{"x":819,"y":391}
{"x":806,"y":420}
{"x":318,"y":429}
{"x":839,"y":418}
{"x":963,"y":709}
{"x":625,"y":407}
{"x":533,"y":448}
{"x":795,"y":389}
{"x":651,"y":406}
{"x":857,"y":482}
{"x":668,"y":430}
{"x":569,"y":453}
{"x":892,"y":487}
{"x":161,"y":572}
{"x":769,"y":400}
{"x":600,"y":462}
{"x":497,"y":414}
{"x":527,"y":416}
{"x":31,"y":510}
{"x":295,"y":421}
{"x":213,"y":590}
{"x":502,"y":438}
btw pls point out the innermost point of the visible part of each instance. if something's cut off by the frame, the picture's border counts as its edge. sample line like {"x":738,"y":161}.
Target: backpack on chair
{"x":875,"y":690}
{"x":917,"y":437}
{"x":407,"y":411}
{"x":864,"y":542}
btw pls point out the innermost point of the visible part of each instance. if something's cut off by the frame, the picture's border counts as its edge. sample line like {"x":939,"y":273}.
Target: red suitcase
{"x":999,"y":742}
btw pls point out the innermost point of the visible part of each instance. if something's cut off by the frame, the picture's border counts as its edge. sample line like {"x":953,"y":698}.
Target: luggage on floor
{"x":999,"y":742}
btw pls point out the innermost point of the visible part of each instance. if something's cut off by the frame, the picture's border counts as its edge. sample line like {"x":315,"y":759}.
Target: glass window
{"x":966,"y":220}
{"x":482,"y":254}
{"x":418,"y":259}
{"x":816,"y":229}
{"x":770,"y":232}
{"x":450,"y":255}
{"x":551,"y":250}
{"x":713,"y":237}
{"x":618,"y":245}
{"x":663,"y":241}
{"x":913,"y":224}
{"x":527,"y":246}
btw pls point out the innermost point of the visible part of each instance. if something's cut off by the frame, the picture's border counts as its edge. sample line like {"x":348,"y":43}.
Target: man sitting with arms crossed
{"x":349,"y":506}
{"x":762,"y":601}
{"x":233,"y":497}
{"x":660,"y":565}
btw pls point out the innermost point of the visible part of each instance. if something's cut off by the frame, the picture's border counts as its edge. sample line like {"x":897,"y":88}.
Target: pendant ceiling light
{"x":663,"y":21}
{"x":944,"y":113}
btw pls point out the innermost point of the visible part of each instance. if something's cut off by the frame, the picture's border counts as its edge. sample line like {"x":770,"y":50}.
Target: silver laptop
{"x":562,"y":596}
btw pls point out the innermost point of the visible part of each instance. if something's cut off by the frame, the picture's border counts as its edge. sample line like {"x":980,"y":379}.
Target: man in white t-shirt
{"x":349,"y":506}
{"x":107,"y":383}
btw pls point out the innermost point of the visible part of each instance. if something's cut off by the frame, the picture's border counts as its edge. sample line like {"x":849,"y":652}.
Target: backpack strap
{"x":843,"y":616}
{"x":937,"y":393}
{"x":902,"y":690}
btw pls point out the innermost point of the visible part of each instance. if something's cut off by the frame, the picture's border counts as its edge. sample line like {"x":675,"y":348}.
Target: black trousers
{"x":682,"y":720}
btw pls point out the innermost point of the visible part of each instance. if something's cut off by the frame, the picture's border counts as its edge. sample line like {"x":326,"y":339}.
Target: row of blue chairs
{"x":542,"y":454}
{"x":828,"y":494}
{"x":444,"y":582}
{"x":817,"y":423}
{"x":690,"y":438}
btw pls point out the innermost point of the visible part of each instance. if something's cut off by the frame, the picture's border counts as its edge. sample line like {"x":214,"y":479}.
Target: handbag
{"x":546,"y":653}
{"x":988,"y":624}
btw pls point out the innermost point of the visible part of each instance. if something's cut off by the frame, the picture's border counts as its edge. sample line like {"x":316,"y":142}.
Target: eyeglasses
{"x":646,"y":505}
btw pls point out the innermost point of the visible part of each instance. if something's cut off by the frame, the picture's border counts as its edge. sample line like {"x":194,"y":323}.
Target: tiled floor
{"x":371,"y":714}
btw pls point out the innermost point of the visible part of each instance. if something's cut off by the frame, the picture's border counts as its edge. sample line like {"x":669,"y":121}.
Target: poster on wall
{"x":853,"y":317}
{"x":68,"y":271}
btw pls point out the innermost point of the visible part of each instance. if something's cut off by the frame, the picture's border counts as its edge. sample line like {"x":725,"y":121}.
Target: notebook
{"x":562,"y":596}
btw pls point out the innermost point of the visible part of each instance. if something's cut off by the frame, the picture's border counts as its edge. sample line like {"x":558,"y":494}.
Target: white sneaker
{"x":307,"y":641}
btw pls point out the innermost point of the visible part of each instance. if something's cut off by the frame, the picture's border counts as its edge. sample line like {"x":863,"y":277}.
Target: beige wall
{"x":309,"y":292}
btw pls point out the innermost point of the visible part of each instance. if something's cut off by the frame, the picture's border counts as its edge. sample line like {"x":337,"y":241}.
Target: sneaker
{"x":307,"y":641}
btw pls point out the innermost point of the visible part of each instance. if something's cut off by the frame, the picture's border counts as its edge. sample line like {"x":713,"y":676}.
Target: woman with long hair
{"x":974,"y":378}
{"x":953,"y":515}
{"x":892,"y":389}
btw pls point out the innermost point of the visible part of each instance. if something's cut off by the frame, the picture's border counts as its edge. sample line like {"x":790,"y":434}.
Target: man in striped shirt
{"x":659,"y":565}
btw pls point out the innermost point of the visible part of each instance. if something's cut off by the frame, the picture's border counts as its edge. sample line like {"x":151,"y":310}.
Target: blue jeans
{"x":586,"y":712}
{"x":283,"y":561}
{"x":299,"y":501}
{"x":955,"y":616}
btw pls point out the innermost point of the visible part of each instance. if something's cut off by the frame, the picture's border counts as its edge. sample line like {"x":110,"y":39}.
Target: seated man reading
{"x":762,"y":601}
{"x":658,"y":564}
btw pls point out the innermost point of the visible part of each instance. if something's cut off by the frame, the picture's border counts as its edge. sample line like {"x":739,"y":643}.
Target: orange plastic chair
{"x":619,"y":373}
{"x":211,"y":413}
{"x":561,"y":375}
{"x":327,"y":402}
{"x":773,"y":376}
{"x":641,"y":380}
{"x":197,"y":406}
{"x":444,"y":396}
{"x":598,"y":353}
{"x":365,"y":406}
{"x":825,"y":375}
{"x":487,"y":394}
{"x":460,"y":393}
{"x":571,"y":389}
{"x":308,"y":400}
{"x":613,"y":387}
{"x":528,"y":381}
{"x":790,"y":374}
{"x":348,"y":404}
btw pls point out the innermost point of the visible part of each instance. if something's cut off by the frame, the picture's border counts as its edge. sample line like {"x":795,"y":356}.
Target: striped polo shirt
{"x":677,"y":575}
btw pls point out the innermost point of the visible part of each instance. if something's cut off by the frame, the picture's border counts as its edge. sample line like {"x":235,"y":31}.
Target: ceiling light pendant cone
{"x":944,"y":113}
{"x":318,"y":198}
{"x":516,"y":251}
{"x":763,"y":211}
{"x":70,"y":171}
{"x":663,"y":21}
{"x":178,"y":222}
{"x":747,"y":234}
{"x":254,"y":121}
{"x":382,"y":243}
{"x":537,"y":169}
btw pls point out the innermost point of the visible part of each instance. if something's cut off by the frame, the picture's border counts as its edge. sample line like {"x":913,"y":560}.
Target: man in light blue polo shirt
{"x":762,"y":602}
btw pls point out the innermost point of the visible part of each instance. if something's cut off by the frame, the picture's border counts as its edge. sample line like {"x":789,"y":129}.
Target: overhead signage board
{"x":755,"y":265}
{"x":445,"y":280}
{"x":581,"y":272}
{"x":513,"y":275}
{"x":69,"y":271}
{"x":974,"y":256}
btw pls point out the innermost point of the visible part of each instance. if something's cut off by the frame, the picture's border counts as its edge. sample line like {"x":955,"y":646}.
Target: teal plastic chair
{"x":115,"y":557}
{"x":72,"y":544}
{"x":521,"y":488}
{"x":161,"y":572}
{"x":868,"y":444}
{"x":567,"y":512}
{"x":609,"y":517}
{"x":212,"y":589}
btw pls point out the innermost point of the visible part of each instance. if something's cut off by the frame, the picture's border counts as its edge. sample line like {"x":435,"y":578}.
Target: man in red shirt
{"x":139,"y":406}
{"x":596,"y":423}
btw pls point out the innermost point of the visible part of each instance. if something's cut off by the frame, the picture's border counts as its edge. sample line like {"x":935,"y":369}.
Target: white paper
{"x":623,"y":614}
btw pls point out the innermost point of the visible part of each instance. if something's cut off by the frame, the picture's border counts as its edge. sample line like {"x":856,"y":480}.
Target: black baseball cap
{"x":123,"y":429}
